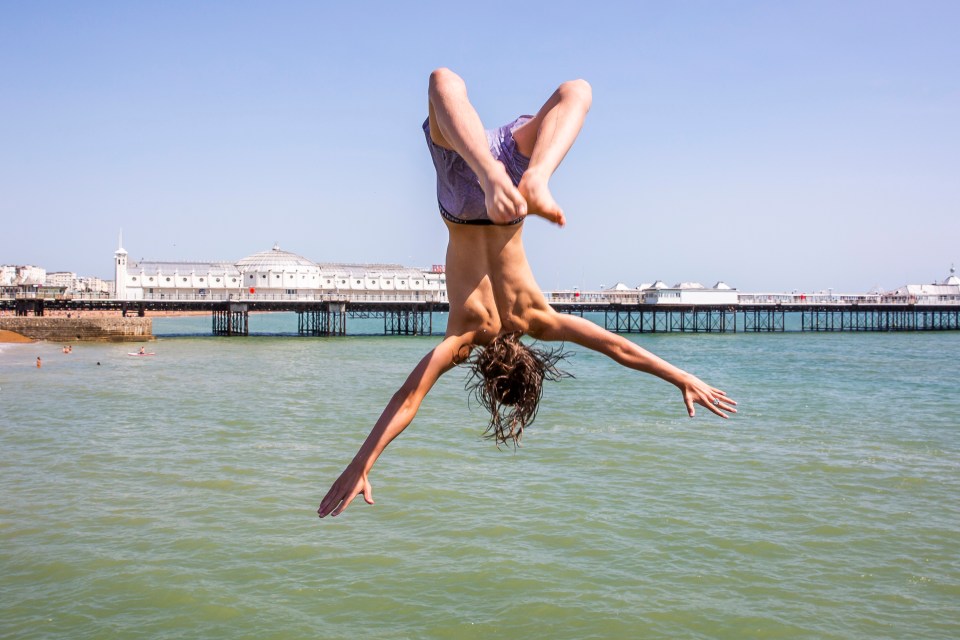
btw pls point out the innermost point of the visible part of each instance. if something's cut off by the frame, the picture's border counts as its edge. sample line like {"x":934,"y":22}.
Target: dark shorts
{"x":458,"y":189}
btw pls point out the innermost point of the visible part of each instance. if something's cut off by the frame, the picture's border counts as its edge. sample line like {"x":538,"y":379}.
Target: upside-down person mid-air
{"x":488,"y":182}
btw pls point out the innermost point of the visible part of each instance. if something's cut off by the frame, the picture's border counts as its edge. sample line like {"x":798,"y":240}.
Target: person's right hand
{"x":503,"y":200}
{"x":351,"y":483}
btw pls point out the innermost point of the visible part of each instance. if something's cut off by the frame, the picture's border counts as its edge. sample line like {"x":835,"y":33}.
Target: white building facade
{"x":275,"y":275}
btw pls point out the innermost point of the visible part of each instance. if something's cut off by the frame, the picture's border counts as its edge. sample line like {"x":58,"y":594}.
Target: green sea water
{"x":174,"y":496}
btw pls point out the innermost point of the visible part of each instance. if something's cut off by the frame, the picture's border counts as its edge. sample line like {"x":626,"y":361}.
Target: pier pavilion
{"x":274,"y":275}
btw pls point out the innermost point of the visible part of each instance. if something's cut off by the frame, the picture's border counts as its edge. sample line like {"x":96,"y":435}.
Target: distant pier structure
{"x":326,"y":297}
{"x":331,"y":316}
{"x":771,"y":317}
{"x":693,"y":308}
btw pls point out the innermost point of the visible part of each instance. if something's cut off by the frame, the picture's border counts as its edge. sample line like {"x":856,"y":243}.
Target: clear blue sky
{"x":774,"y":145}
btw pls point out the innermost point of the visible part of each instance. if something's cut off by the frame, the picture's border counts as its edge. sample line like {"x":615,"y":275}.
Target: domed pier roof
{"x":277,"y":260}
{"x":952,"y":279}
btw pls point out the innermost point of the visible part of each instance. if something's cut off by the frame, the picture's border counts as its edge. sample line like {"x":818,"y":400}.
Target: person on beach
{"x":488,"y":183}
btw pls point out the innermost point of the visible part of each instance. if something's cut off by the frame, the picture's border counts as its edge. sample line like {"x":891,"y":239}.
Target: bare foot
{"x":540,"y":201}
{"x":503,"y":201}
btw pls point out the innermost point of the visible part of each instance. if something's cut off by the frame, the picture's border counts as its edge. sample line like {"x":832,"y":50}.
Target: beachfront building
{"x":94,"y":285}
{"x":61,"y":283}
{"x":68,"y":283}
{"x":22,"y":275}
{"x":275,"y":275}
{"x":66,"y":280}
{"x":19,"y":280}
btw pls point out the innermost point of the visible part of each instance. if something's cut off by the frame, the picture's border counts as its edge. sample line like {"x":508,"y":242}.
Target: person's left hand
{"x":696,"y":391}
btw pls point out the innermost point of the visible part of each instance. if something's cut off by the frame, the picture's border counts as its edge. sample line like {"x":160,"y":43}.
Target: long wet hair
{"x":506,"y":377}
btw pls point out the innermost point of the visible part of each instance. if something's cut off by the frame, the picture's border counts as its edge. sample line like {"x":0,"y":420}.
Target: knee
{"x":579,"y":91}
{"x":443,"y":81}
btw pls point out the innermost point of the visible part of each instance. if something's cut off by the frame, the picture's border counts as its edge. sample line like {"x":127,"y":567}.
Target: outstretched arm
{"x":398,"y":413}
{"x":558,"y":326}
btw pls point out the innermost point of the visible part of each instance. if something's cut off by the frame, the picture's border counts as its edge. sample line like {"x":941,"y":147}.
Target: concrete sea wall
{"x":112,"y":329}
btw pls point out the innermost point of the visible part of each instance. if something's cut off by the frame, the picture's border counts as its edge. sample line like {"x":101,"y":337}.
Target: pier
{"x":771,"y":318}
{"x":327,"y":299}
{"x":409,"y":317}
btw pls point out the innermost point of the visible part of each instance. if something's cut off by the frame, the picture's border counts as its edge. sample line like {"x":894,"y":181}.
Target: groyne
{"x":102,"y":329}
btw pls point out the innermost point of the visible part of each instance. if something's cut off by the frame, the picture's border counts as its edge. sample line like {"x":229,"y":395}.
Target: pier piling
{"x":327,"y":319}
{"x":231,"y":319}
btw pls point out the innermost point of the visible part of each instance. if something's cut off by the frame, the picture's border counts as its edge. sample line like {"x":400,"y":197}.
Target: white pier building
{"x":275,"y":275}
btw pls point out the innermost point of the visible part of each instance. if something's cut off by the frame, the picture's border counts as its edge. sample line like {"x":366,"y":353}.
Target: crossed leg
{"x":545,"y":139}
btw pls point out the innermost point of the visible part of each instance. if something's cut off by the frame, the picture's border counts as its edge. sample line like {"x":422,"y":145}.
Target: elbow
{"x":405,"y":401}
{"x":620,"y":349}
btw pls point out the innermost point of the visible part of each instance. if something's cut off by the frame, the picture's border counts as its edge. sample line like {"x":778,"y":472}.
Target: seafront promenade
{"x":403,"y":315}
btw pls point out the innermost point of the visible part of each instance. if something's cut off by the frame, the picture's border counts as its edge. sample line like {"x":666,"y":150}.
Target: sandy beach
{"x":11,"y":336}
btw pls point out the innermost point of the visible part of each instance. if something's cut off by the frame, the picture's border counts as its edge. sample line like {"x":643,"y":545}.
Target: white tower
{"x":120,"y":272}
